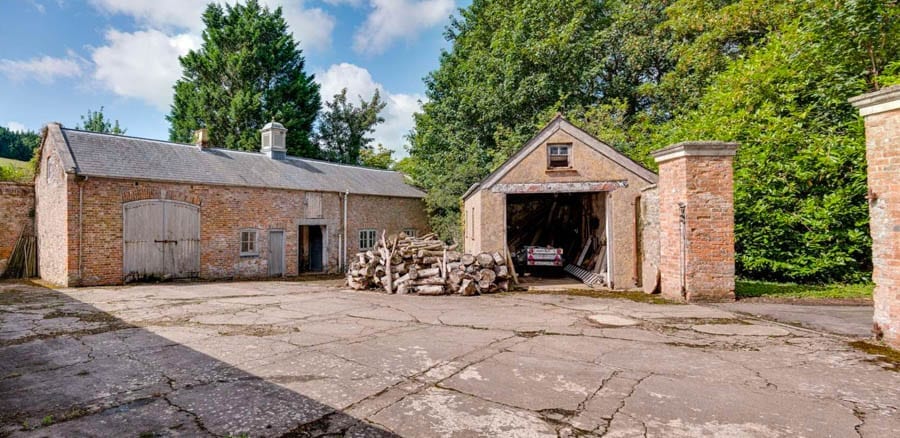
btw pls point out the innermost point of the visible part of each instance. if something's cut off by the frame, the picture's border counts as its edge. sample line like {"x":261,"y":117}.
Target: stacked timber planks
{"x":23,"y":259}
{"x":427,"y":266}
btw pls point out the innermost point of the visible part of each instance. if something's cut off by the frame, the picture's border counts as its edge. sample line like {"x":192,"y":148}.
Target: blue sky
{"x":59,"y":58}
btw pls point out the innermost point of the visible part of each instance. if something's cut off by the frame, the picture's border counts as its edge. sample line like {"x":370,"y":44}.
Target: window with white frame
{"x":410,"y":232}
{"x":558,"y":155}
{"x":248,"y":243}
{"x":366,"y":239}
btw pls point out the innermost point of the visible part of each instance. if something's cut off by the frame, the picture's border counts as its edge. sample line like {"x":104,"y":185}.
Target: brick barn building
{"x":564,"y":189}
{"x":112,"y":209}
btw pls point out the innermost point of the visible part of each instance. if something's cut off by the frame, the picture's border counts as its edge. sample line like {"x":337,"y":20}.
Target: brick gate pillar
{"x":696,"y":220}
{"x":881,"y":111}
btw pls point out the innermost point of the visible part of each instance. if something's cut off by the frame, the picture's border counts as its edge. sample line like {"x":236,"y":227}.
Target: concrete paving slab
{"x":612,"y":320}
{"x":439,"y":412}
{"x":843,"y":320}
{"x":685,"y":407}
{"x":303,"y":359}
{"x":740,"y":330}
{"x":531,"y":382}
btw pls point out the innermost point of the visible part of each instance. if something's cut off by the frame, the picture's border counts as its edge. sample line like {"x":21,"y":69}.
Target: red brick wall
{"x":16,"y":212}
{"x":380,"y":213}
{"x":224,"y":212}
{"x":703,"y":181}
{"x":883,"y":157}
{"x":672,"y":190}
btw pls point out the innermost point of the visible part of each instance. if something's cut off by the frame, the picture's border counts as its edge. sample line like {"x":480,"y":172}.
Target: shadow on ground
{"x":70,"y":369}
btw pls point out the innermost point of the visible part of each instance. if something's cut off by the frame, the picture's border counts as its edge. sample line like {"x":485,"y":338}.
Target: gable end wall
{"x":587,"y":165}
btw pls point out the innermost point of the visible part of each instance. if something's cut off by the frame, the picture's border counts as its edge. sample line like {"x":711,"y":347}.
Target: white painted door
{"x":162,"y":240}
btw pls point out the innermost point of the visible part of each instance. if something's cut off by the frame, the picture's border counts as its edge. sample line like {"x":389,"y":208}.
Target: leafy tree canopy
{"x":343,"y":128}
{"x":18,"y":145}
{"x":95,"y":121}
{"x":248,"y":71}
{"x":773,"y":75}
{"x":379,"y":158}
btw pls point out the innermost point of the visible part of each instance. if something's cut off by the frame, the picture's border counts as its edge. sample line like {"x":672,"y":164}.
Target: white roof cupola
{"x":274,"y":140}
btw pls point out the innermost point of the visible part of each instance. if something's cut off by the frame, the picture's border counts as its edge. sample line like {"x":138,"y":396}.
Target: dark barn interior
{"x":574,"y":222}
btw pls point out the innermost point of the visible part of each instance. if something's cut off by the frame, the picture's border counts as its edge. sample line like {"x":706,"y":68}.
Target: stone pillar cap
{"x":695,"y":149}
{"x":885,"y":99}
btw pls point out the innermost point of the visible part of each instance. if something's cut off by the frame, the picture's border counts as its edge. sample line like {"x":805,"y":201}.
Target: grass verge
{"x":764,"y":289}
{"x":15,"y":170}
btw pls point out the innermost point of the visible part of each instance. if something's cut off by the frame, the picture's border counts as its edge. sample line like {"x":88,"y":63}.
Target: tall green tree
{"x":250,"y":70}
{"x":379,"y":157}
{"x":343,"y":127}
{"x":774,"y":75}
{"x":800,"y":177}
{"x":96,"y":121}
{"x":508,"y":63}
{"x":18,"y":145}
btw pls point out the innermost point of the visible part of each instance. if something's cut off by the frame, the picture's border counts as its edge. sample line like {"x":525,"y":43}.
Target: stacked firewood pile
{"x":426,"y":266}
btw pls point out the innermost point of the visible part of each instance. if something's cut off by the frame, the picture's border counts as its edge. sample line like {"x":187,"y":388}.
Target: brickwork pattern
{"x":51,"y":213}
{"x":650,"y":240}
{"x":587,"y":165}
{"x":883,"y":158}
{"x":224,"y":212}
{"x":382,"y":213}
{"x":16,"y":213}
{"x":704,"y":184}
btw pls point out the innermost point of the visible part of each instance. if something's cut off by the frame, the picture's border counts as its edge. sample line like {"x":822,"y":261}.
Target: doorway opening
{"x":312,"y":248}
{"x":549,"y":233}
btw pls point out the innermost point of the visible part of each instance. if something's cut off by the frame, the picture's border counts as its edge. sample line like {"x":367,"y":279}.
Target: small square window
{"x":410,"y":232}
{"x":366,"y":239}
{"x":248,"y":243}
{"x":558,"y":155}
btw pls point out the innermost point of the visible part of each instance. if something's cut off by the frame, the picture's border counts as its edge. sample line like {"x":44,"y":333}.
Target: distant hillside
{"x":15,"y":170}
{"x":18,"y":145}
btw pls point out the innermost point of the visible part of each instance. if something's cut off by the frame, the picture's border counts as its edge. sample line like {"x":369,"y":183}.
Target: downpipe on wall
{"x":682,"y":219}
{"x":344,"y":235}
{"x":81,"y":181}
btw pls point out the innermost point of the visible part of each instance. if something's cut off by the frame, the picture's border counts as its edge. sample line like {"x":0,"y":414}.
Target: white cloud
{"x":358,"y":81}
{"x":45,"y":69}
{"x":16,"y":126}
{"x":392,"y":20}
{"x":312,"y":27}
{"x":38,"y":6}
{"x":184,"y":14}
{"x":142,"y":64}
{"x":353,"y":3}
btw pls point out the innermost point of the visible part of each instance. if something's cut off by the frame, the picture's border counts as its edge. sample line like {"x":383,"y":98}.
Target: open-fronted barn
{"x":112,"y":209}
{"x":565,"y":190}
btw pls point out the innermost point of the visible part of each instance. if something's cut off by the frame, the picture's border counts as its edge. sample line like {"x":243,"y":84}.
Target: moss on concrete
{"x":636,"y":296}
{"x":887,"y":357}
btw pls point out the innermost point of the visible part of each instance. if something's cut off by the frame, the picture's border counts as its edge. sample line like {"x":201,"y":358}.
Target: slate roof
{"x":116,"y":156}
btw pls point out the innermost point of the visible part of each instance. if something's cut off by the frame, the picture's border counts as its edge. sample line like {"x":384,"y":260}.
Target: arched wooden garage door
{"x":162,"y":240}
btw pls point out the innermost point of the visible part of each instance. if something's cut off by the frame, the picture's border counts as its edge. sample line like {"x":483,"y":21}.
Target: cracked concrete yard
{"x":305,"y":359}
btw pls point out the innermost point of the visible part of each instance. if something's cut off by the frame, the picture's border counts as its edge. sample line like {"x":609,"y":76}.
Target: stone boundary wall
{"x":650,"y":239}
{"x":16,"y":215}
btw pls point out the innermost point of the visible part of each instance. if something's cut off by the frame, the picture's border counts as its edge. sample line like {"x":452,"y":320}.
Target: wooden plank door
{"x":161,"y":240}
{"x":142,"y":229}
{"x":182,"y":240}
{"x":276,"y":253}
